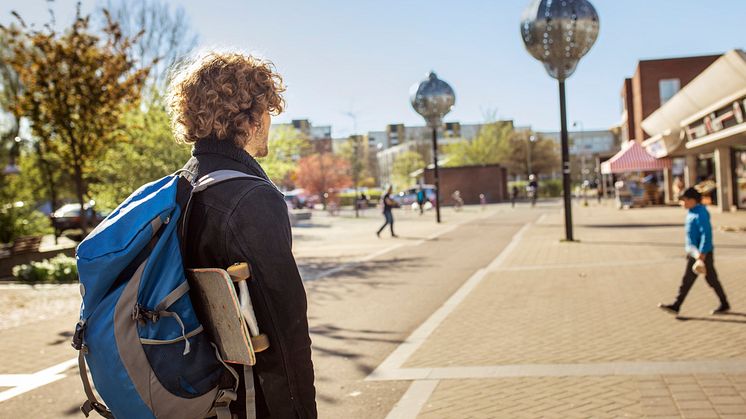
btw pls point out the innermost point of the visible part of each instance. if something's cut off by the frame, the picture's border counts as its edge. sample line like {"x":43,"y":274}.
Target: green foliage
{"x":498,"y":143}
{"x":542,"y":153}
{"x":286,"y":146}
{"x":348,"y":198}
{"x":77,"y":84}
{"x":404,"y":165}
{"x":18,"y":221}
{"x":492,"y":145}
{"x":549,"y":188}
{"x":60,"y":269}
{"x":354,"y":151}
{"x":146,"y":152}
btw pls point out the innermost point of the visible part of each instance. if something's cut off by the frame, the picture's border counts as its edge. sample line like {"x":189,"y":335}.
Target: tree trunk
{"x":81,"y":192}
{"x":47,"y":170}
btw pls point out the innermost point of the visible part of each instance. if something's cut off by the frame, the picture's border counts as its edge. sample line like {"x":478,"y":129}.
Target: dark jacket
{"x":246,"y":220}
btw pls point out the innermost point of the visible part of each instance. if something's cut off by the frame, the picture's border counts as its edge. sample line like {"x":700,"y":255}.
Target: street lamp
{"x":433,"y":98}
{"x":559,"y":33}
{"x":531,"y":140}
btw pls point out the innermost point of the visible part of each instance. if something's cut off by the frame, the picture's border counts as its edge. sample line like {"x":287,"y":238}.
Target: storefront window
{"x":740,"y":172}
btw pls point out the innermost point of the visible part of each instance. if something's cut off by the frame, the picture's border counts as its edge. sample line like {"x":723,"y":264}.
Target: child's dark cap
{"x":691,"y":193}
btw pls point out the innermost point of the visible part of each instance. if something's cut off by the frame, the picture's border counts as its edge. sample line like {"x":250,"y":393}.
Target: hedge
{"x":58,"y":270}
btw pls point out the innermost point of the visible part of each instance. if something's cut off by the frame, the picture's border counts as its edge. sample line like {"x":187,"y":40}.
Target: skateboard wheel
{"x":239,"y":272}
{"x":260,"y":342}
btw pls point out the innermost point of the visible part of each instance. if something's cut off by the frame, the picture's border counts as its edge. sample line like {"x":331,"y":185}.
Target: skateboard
{"x":227,"y":316}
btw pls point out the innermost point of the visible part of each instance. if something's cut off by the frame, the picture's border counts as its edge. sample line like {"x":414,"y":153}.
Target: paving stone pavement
{"x":591,"y":306}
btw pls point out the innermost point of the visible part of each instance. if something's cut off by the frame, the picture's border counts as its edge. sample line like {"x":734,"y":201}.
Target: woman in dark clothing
{"x":388,"y":204}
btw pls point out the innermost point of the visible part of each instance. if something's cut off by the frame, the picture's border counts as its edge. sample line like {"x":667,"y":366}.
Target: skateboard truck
{"x":240,"y":273}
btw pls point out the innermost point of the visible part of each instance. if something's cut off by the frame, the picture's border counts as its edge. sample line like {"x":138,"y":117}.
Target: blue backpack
{"x":138,"y":331}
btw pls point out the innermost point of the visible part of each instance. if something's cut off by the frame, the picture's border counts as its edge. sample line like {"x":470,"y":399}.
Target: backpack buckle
{"x":141,"y":314}
{"x":77,"y":341}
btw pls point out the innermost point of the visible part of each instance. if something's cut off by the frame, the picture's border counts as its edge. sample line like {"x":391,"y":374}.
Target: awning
{"x":634,"y":158}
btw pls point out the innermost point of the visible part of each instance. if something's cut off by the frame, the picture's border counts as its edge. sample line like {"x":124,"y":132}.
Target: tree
{"x":10,"y":89}
{"x":162,"y":36}
{"x":531,"y":157}
{"x":319,"y":173}
{"x":492,"y":145}
{"x":353,"y":152}
{"x":286,"y":146}
{"x":404,"y":164}
{"x":76,"y":87}
{"x":147,"y":151}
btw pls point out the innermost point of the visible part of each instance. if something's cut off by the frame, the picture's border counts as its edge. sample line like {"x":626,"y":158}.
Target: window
{"x":668,"y":88}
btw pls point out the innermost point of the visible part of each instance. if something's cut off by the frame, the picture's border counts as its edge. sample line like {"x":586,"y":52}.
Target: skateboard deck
{"x":218,"y":308}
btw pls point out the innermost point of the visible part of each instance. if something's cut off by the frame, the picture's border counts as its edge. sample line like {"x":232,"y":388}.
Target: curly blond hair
{"x":223,"y":95}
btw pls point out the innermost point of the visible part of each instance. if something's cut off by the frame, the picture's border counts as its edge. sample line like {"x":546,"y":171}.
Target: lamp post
{"x":531,"y":140}
{"x":559,"y":33}
{"x":583,"y":157}
{"x":433,"y":98}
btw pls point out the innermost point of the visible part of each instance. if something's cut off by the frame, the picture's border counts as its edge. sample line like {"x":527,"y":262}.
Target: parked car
{"x":409,"y":196}
{"x":295,"y":199}
{"x":67,"y":217}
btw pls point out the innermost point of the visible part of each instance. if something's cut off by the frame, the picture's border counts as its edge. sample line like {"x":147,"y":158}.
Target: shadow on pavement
{"x":655,"y":225}
{"x":350,"y":336}
{"x":64,"y":337}
{"x":712,"y":319}
{"x":681,"y":245}
{"x":315,"y":269}
{"x":339,"y":333}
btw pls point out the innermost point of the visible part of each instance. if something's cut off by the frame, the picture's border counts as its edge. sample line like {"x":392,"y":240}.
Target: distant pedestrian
{"x":388,"y":204}
{"x":421,"y":199}
{"x":458,"y":201}
{"x":533,"y":189}
{"x":482,"y":201}
{"x":699,"y":251}
{"x":513,"y":195}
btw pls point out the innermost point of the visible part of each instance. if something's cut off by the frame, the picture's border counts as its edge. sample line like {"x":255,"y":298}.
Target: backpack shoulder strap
{"x":220,"y":176}
{"x":210,"y":179}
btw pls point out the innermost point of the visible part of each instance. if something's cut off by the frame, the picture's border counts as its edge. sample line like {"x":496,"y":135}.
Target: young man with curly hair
{"x":221,"y":104}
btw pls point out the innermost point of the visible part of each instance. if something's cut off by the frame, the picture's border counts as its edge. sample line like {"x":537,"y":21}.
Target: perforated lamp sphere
{"x":432,"y":98}
{"x":559,"y":33}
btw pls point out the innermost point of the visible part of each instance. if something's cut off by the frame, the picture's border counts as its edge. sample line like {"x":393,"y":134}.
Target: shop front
{"x":703,"y":129}
{"x":739,"y":176}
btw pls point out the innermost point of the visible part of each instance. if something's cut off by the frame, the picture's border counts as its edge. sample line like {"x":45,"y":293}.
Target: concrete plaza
{"x":486,"y":315}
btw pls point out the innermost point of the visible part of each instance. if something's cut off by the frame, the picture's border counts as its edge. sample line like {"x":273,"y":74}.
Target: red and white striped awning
{"x":634,"y":158}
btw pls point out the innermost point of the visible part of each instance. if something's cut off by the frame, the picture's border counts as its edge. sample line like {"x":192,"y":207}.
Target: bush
{"x":58,"y":270}
{"x":549,"y":188}
{"x":19,"y":220}
{"x":348,"y":198}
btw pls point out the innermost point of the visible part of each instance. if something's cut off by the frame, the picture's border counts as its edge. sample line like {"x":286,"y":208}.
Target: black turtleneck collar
{"x":213,"y":154}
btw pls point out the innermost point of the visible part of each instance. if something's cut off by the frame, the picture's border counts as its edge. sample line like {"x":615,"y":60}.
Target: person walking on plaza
{"x":533,"y":189}
{"x":421,"y":199}
{"x":699,"y":249}
{"x":221,"y":104}
{"x":388,"y":204}
{"x":457,"y":200}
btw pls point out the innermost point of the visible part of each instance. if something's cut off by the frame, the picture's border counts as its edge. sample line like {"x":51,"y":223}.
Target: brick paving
{"x":552,"y":304}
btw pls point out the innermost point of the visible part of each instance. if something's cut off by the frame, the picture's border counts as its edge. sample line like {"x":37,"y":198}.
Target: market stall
{"x":639,"y":175}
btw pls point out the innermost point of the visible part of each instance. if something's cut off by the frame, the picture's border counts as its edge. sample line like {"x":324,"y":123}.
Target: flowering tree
{"x":319,"y":173}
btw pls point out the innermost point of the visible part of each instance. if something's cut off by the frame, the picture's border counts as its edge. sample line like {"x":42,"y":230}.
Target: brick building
{"x":653,"y":84}
{"x":490,"y":180}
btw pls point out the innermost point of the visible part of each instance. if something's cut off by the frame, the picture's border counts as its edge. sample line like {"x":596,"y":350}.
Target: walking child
{"x":699,"y":250}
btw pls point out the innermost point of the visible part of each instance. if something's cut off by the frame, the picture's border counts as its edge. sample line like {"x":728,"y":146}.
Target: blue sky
{"x":363,"y":56}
